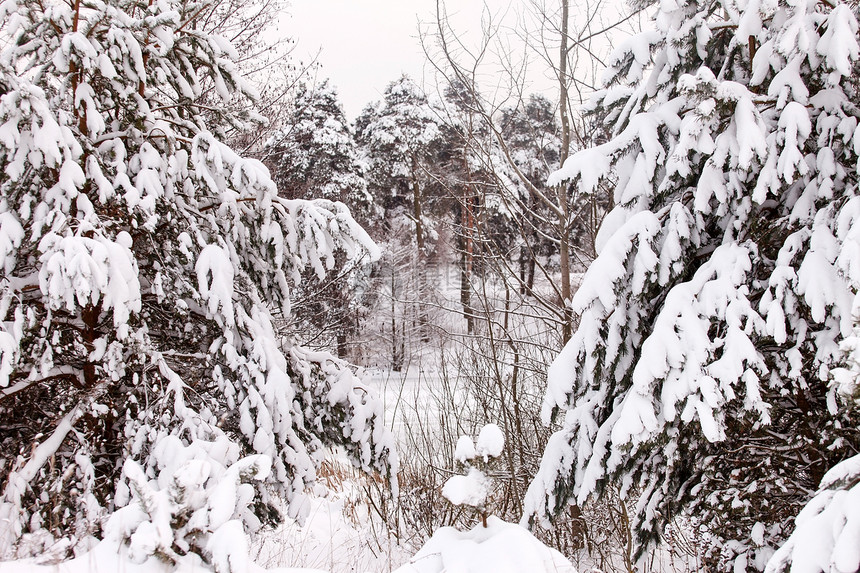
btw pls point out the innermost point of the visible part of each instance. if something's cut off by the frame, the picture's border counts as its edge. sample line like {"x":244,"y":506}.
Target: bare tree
{"x":544,"y":32}
{"x":520,"y":240}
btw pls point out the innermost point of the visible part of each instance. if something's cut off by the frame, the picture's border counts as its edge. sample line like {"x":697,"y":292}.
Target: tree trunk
{"x":564,"y":222}
{"x":466,"y":292}
{"x":416,"y":205}
{"x":396,"y":353}
{"x":564,"y":264}
{"x":467,"y":224}
{"x":341,"y":344}
{"x":530,"y":277}
{"x":90,"y":317}
{"x":524,"y":255}
{"x":562,"y":83}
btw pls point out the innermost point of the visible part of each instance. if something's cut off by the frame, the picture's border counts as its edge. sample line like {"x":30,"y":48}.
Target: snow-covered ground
{"x":339,"y":535}
{"x":409,"y":397}
{"x":109,"y":557}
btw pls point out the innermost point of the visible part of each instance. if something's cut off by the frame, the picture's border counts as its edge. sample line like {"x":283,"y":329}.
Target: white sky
{"x":366,"y":44}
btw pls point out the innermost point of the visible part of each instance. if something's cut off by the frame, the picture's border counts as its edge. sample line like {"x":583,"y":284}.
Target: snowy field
{"x":411,"y":397}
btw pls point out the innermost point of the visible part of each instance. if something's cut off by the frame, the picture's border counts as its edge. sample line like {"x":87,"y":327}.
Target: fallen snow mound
{"x":501,"y":547}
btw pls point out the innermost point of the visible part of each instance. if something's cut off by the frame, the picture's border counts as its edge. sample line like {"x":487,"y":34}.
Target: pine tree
{"x":532,"y":135}
{"x":697,"y":380}
{"x":398,"y":135}
{"x":827,"y":533}
{"x":314,"y":154}
{"x":143,"y":264}
{"x":468,"y":161}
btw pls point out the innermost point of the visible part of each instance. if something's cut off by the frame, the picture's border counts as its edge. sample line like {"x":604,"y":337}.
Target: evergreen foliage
{"x":142,"y":262}
{"x":697,"y":380}
{"x":827,"y":531}
{"x":531,"y":133}
{"x":314,"y":153}
{"x":397,"y":135}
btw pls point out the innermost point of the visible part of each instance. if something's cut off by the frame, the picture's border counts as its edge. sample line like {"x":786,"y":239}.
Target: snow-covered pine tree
{"x":482,"y":221}
{"x":142,"y":262}
{"x":531,"y":133}
{"x":398,"y":134}
{"x":826,"y":538}
{"x":314,"y":155}
{"x":697,"y":378}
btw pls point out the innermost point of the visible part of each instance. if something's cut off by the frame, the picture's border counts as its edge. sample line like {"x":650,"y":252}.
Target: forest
{"x":607,"y":321}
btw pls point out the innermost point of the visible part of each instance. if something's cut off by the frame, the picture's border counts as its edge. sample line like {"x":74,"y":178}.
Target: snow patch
{"x":498,"y":548}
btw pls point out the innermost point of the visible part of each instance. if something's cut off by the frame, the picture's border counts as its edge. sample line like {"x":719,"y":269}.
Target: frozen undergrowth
{"x":342,"y":533}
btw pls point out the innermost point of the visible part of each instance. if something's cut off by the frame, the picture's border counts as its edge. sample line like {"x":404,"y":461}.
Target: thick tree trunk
{"x":90,"y":317}
{"x":530,"y":277}
{"x":524,"y":262}
{"x":341,"y":345}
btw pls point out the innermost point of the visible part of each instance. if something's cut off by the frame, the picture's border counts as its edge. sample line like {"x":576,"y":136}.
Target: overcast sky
{"x":364,"y":45}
